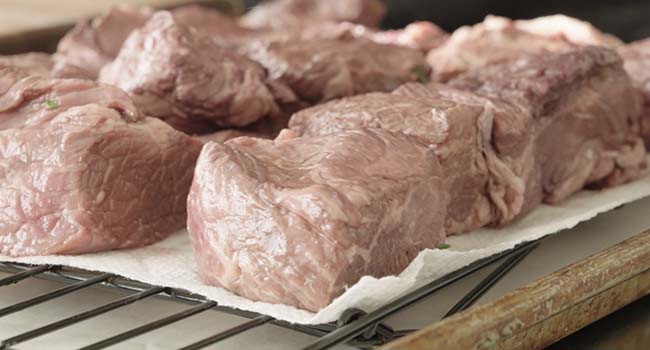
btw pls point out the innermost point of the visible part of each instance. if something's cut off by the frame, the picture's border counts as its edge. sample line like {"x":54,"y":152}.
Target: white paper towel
{"x":170,"y":263}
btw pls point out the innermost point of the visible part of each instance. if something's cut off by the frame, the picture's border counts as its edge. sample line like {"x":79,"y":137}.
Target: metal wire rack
{"x":355,"y":327}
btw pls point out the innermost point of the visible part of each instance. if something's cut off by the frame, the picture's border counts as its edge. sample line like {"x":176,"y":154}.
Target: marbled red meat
{"x":297,"y":220}
{"x":181,"y":76}
{"x":320,"y":70}
{"x":583,"y":126}
{"x":81,"y":170}
{"x":92,"y":45}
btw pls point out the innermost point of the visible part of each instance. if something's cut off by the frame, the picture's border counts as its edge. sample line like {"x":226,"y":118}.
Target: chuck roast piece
{"x":92,"y":45}
{"x":636,"y":56}
{"x":320,"y":70}
{"x":95,"y":44}
{"x":174,"y":73}
{"x":297,"y":220}
{"x":457,"y":124}
{"x":585,"y":120}
{"x":499,"y":39}
{"x":538,"y":129}
{"x":78,"y":176}
{"x":298,"y":14}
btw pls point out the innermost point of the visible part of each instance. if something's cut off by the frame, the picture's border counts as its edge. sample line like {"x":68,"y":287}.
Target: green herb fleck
{"x":443,"y":246}
{"x":421,"y":74}
{"x":51,"y":104}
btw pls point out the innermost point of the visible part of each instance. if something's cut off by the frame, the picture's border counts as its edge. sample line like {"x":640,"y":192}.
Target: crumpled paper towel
{"x":170,"y":263}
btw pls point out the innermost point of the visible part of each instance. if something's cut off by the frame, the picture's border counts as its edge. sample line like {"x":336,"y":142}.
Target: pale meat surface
{"x":299,"y":14}
{"x":296,"y":220}
{"x":92,"y":45}
{"x":223,"y":29}
{"x":82,"y":171}
{"x":181,"y":76}
{"x":636,"y":58}
{"x":571,"y":29}
{"x":421,"y":35}
{"x":584,"y":117}
{"x":320,"y":70}
{"x":546,"y":127}
{"x":24,"y":97}
{"x":499,"y":39}
{"x":455,"y":123}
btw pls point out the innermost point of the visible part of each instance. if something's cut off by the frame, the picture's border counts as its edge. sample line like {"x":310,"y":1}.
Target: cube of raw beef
{"x":457,"y":124}
{"x":297,"y":220}
{"x":298,"y":14}
{"x":585,"y":116}
{"x":79,"y":177}
{"x":320,"y":70}
{"x":499,"y":39}
{"x":38,"y":63}
{"x":95,"y":44}
{"x":174,"y":73}
{"x":636,"y":57}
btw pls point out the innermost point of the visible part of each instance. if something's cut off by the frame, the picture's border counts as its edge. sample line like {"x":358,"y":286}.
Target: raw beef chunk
{"x":82,"y":171}
{"x":637,"y":63}
{"x":584,"y":121}
{"x":174,"y":73}
{"x":95,"y":44}
{"x":320,"y":70}
{"x":535,"y":130}
{"x":569,"y":28}
{"x":296,"y":220}
{"x":499,"y":39}
{"x":457,"y":124}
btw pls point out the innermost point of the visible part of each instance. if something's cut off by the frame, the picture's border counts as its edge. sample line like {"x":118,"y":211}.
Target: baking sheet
{"x":170,"y":262}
